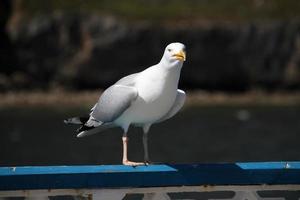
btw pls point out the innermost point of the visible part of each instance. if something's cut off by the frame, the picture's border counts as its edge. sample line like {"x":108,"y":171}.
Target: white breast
{"x":157,"y":91}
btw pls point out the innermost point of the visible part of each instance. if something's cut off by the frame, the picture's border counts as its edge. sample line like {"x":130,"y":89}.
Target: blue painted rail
{"x":119,"y":176}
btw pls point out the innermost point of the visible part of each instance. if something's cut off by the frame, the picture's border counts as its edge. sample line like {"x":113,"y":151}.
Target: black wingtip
{"x":84,"y":128}
{"x":76,"y":120}
{"x":67,"y":121}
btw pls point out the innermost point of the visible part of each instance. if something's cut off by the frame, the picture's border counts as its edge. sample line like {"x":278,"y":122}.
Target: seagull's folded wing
{"x":179,"y":101}
{"x":113,"y":102}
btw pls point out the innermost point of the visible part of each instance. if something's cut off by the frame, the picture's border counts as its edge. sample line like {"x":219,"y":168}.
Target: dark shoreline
{"x":87,"y":98}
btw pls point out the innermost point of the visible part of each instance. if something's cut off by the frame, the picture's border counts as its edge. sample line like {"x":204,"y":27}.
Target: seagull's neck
{"x":166,"y":72}
{"x":170,"y":65}
{"x":170,"y":68}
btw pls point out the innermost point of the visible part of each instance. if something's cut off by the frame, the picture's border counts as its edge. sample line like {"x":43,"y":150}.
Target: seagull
{"x":141,"y":99}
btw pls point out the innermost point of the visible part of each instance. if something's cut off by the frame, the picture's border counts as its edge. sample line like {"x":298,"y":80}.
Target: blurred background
{"x":242,"y":78}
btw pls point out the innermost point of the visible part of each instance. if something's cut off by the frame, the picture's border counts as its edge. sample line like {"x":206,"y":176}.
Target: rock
{"x":8,"y":62}
{"x":83,"y":51}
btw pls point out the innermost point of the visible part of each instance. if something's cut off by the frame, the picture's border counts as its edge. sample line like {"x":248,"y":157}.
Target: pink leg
{"x":125,"y":158}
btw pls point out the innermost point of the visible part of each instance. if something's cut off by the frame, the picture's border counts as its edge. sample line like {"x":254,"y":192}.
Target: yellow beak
{"x":180,"y":56}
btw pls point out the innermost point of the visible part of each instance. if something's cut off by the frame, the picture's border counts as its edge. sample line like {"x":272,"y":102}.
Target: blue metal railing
{"x":163,"y":175}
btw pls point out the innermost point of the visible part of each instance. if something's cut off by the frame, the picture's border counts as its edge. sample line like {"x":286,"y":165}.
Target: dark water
{"x":37,"y":136}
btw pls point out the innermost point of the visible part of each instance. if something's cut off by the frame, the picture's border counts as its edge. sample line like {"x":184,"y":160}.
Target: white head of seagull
{"x":174,"y":55}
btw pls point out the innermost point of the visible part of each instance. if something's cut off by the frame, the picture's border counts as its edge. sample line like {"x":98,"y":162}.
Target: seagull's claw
{"x":133,"y":164}
{"x":147,"y":162}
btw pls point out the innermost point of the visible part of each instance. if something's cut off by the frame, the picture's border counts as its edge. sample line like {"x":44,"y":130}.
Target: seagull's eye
{"x":169,"y":50}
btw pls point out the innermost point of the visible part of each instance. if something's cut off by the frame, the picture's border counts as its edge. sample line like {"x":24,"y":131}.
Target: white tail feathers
{"x":92,"y":122}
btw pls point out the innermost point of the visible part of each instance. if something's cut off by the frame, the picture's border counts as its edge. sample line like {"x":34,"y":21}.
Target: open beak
{"x":180,"y":55}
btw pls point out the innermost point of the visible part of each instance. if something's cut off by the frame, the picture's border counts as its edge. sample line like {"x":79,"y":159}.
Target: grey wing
{"x":113,"y":102}
{"x":125,"y":81}
{"x":179,"y":101}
